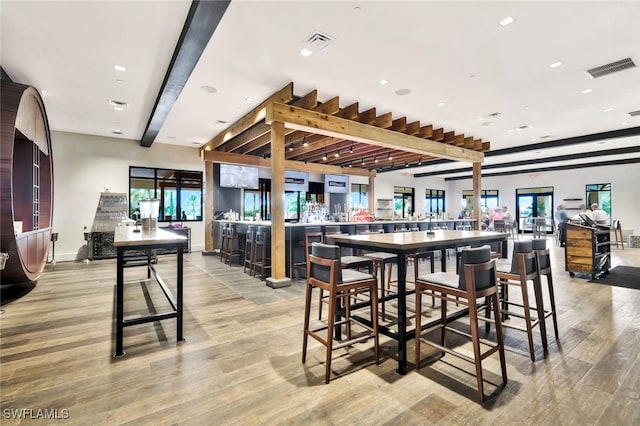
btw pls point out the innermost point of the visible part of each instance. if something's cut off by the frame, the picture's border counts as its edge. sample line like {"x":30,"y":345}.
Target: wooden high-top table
{"x":127,"y":239}
{"x":402,"y":243}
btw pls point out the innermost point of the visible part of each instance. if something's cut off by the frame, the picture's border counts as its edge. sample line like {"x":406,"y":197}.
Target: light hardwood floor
{"x":241,"y":362}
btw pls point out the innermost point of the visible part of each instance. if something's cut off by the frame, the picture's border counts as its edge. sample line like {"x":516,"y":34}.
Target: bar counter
{"x":294,"y":232}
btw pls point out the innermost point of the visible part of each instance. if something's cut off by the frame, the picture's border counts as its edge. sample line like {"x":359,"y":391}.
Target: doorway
{"x":534,"y":203}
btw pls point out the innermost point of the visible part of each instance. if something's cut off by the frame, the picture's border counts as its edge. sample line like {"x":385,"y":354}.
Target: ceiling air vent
{"x":634,"y":113}
{"x":318,"y":41}
{"x":607,"y":69}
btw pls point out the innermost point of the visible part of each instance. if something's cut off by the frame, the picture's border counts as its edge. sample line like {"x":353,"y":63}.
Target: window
{"x":433,"y":201}
{"x":179,"y":191}
{"x":600,"y":193}
{"x":488,"y":199}
{"x":403,"y":201}
{"x":359,"y":195}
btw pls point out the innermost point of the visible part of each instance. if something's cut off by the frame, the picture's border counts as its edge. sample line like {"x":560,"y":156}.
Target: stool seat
{"x":477,"y":282}
{"x":325,"y":272}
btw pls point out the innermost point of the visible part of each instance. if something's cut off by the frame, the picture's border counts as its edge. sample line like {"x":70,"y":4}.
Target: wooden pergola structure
{"x":302,"y":134}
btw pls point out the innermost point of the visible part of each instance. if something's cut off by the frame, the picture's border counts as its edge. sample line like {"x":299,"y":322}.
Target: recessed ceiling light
{"x":624,"y":123}
{"x":219,"y":123}
{"x":357,"y":8}
{"x":556,"y":64}
{"x":119,"y":68}
{"x":118,"y":80}
{"x":511,"y":130}
{"x":117,"y":108}
{"x":480,"y":118}
{"x":117,"y":132}
{"x":402,"y":92}
{"x":195,"y":143}
{"x":441,"y":104}
{"x":383,"y":82}
{"x":495,"y":114}
{"x":506,"y":21}
{"x":248,"y":99}
{"x":607,"y":109}
{"x":305,"y":52}
{"x":208,"y":89}
{"x":601,"y":142}
{"x":585,"y":91}
{"x":487,"y":123}
{"x":534,"y":140}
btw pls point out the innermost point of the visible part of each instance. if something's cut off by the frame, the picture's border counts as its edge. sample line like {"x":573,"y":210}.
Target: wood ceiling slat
{"x":331,"y":107}
{"x":426,"y":131}
{"x":399,"y":124}
{"x":486,"y":146}
{"x":254,"y":116}
{"x":310,"y":100}
{"x":311,"y":121}
{"x":350,"y":112}
{"x":468,"y":143}
{"x":384,"y":121}
{"x":459,"y":141}
{"x":368,"y":116}
{"x":413,"y":128}
{"x":449,"y":137}
{"x":438,"y":135}
{"x":477,"y":144}
{"x":252,"y":160}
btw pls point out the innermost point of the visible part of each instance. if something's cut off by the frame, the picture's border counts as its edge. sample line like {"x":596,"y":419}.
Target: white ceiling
{"x":447,"y":52}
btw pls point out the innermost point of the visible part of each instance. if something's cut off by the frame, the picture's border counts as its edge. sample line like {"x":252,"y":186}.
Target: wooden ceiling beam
{"x":310,"y":100}
{"x":468,"y":143}
{"x":252,"y":160}
{"x":399,"y":124}
{"x":477,"y":144}
{"x":312,"y":121}
{"x":413,"y":128}
{"x":331,"y":107}
{"x":384,"y":121}
{"x":438,"y":135}
{"x":449,"y":137}
{"x":368,"y":116}
{"x":486,"y":146}
{"x":254,"y":116}
{"x":426,"y":132}
{"x":459,"y":140}
{"x":350,"y":112}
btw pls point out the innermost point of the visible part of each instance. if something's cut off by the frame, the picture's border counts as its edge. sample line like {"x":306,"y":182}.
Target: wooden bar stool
{"x":224,"y":229}
{"x":324,"y":272}
{"x":544,"y":261}
{"x":524,"y":269}
{"x":249,"y":249}
{"x":477,"y":282}
{"x":262,"y":251}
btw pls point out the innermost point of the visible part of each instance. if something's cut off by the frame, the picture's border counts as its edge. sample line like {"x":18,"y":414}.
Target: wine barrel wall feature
{"x":26,"y":183}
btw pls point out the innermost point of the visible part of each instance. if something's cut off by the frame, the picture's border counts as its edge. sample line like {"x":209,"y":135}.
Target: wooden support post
{"x":477,"y":173}
{"x":208,"y":208}
{"x":278,"y":257}
{"x":372,"y":195}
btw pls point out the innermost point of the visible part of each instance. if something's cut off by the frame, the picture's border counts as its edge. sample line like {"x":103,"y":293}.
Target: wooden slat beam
{"x":399,"y":124}
{"x":459,"y":140}
{"x":350,"y":112}
{"x":449,"y":137}
{"x":384,"y":121}
{"x":252,"y":160}
{"x":311,"y":121}
{"x":413,"y":128}
{"x":468,"y":143}
{"x":283,"y":95}
{"x":332,"y":106}
{"x":368,"y":116}
{"x":426,"y":132}
{"x":438,"y":135}
{"x":310,"y":100}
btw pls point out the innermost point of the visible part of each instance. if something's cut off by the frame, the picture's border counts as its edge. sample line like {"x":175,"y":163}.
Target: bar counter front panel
{"x":294,"y":232}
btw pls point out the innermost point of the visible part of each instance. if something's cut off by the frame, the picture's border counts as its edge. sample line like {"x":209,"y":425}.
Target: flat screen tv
{"x":232,"y":176}
{"x":296,"y":181}
{"x":336,"y":184}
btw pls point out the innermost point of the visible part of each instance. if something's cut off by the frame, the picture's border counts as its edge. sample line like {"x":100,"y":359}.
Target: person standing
{"x":598,"y":215}
{"x":562,"y":218}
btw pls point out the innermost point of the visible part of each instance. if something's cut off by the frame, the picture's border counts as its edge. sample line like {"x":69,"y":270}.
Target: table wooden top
{"x":125,"y":236}
{"x":418,"y":239}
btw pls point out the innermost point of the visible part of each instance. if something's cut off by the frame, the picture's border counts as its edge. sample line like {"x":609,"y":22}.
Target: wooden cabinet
{"x":588,"y":250}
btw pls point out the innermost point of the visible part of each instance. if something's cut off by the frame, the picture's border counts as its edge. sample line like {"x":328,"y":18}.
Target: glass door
{"x":534,"y":203}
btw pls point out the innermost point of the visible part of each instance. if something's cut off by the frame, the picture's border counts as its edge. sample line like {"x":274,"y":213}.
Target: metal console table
{"x":127,"y":239}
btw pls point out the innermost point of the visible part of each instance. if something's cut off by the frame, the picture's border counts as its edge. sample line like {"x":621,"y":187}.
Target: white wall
{"x":625,"y":189}
{"x":84,"y":166}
